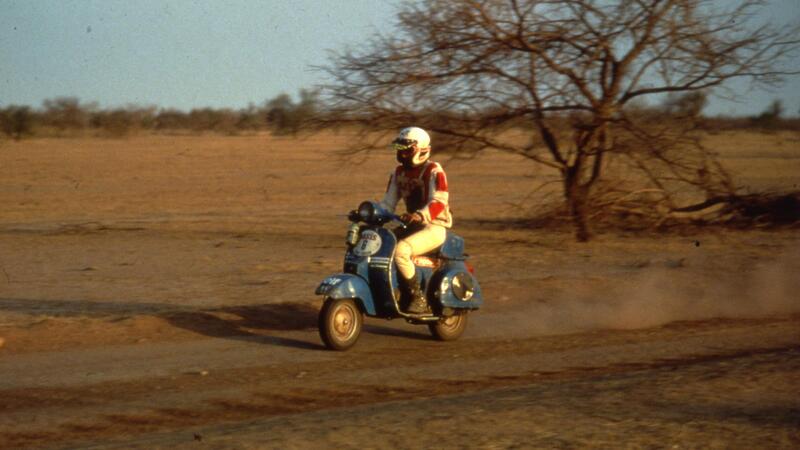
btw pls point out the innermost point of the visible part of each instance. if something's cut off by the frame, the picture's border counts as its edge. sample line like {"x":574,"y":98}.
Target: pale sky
{"x":186,"y":54}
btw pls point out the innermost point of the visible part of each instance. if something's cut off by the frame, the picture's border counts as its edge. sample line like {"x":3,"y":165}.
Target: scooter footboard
{"x":346,"y":285}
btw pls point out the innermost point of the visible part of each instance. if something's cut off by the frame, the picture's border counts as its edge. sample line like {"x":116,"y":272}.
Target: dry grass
{"x":283,"y":182}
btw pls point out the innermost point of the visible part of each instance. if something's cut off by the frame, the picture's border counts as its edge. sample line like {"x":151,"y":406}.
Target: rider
{"x":422,"y":184}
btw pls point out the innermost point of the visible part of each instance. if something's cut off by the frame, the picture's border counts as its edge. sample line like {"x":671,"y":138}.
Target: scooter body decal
{"x":369,"y":244}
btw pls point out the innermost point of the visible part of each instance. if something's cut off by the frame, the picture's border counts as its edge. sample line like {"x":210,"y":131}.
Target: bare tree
{"x":569,"y":72}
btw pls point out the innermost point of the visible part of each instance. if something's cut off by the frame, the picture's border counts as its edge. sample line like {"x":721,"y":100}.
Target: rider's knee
{"x":403,"y":250}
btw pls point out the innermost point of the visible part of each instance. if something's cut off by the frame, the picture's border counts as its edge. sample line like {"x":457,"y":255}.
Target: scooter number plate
{"x":368,"y":245}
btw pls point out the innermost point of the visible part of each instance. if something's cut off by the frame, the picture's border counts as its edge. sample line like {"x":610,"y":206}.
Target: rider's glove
{"x":409,"y":218}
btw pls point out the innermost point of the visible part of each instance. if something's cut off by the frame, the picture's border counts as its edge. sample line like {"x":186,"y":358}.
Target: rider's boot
{"x":418,"y":304}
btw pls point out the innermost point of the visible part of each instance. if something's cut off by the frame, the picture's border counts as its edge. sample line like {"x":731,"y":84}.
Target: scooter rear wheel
{"x":340,"y":322}
{"x":449,"y":328}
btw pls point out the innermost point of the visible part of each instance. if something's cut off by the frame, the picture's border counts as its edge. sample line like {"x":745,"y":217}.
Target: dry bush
{"x":121,"y":122}
{"x":615,"y":209}
{"x":16,"y":121}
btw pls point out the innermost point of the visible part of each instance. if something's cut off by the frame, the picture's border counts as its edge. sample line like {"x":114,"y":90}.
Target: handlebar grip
{"x":399,"y":219}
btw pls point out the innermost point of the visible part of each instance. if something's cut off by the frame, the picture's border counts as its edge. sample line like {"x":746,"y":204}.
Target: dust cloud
{"x":654,"y":296}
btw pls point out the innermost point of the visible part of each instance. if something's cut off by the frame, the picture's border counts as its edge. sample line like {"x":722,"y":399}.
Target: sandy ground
{"x":158,"y":292}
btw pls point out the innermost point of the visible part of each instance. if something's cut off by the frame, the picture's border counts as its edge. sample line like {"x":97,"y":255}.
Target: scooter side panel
{"x":345,"y":285}
{"x":382,"y":274}
{"x":453,"y":247}
{"x":443,"y":287}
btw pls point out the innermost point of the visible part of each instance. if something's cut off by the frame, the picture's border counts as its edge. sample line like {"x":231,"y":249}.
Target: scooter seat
{"x":426,"y":260}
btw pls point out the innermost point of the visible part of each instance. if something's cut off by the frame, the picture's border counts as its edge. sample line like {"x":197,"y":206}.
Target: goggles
{"x":402,"y":145}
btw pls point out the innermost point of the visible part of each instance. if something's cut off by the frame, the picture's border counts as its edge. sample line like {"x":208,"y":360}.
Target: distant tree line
{"x":68,"y":116}
{"x":281,"y":115}
{"x":690,"y":105}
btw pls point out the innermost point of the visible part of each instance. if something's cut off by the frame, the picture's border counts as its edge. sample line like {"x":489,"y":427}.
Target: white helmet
{"x":413,"y":146}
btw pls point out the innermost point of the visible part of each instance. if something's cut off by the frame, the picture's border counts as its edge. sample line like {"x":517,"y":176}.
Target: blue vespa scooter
{"x":369,"y":286}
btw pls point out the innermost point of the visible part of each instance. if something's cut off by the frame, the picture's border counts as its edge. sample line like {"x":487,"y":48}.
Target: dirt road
{"x":158,"y":293}
{"x":725,"y":383}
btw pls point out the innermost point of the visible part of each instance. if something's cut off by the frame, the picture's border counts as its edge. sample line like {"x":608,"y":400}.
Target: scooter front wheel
{"x":449,"y":328}
{"x":340,"y":322}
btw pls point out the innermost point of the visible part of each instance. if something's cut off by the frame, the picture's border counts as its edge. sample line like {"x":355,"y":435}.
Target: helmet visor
{"x":402,"y":145}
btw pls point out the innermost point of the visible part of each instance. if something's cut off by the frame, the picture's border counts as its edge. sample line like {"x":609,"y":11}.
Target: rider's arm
{"x":437,"y":195}
{"x":390,"y":198}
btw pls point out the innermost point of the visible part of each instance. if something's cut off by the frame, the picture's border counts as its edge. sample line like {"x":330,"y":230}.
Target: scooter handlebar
{"x":374,"y":212}
{"x":399,"y":219}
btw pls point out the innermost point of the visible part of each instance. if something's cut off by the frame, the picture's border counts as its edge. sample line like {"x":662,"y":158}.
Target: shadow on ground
{"x":251,"y":322}
{"x":394,"y":332}
{"x":84,"y":308}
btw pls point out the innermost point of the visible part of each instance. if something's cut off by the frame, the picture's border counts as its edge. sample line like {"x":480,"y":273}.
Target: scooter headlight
{"x":366,"y":211}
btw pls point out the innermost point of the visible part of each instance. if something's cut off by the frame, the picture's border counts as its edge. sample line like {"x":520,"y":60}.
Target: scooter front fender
{"x":346,"y":285}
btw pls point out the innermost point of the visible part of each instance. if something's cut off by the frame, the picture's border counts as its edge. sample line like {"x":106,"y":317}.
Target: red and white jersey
{"x":423,"y":190}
